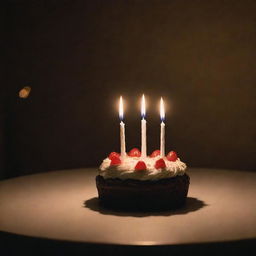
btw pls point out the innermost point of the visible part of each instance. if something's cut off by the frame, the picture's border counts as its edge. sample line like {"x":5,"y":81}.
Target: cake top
{"x":133,"y":166}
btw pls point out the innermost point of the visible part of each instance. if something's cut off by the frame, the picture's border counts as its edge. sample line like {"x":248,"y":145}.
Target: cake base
{"x":164,"y":194}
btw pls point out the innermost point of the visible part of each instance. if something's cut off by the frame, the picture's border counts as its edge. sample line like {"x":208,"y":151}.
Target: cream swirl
{"x":126,"y":169}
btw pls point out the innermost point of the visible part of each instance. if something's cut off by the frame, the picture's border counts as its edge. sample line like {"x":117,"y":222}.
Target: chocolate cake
{"x":135,"y":183}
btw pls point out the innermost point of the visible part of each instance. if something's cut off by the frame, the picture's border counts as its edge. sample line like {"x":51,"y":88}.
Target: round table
{"x":63,"y":205}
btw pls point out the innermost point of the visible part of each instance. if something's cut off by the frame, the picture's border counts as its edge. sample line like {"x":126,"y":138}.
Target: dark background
{"x":80,"y":56}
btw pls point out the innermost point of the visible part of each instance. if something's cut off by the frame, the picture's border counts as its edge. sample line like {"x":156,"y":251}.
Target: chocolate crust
{"x":132,"y":194}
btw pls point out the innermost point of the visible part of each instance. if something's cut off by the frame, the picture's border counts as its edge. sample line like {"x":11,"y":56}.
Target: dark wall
{"x":2,"y":137}
{"x":79,"y":56}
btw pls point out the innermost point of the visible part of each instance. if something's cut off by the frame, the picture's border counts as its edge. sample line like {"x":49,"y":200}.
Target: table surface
{"x":63,"y":205}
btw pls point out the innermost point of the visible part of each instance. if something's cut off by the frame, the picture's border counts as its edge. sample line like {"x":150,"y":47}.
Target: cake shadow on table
{"x":192,"y":204}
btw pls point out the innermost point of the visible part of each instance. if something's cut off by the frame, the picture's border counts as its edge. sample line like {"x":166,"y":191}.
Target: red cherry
{"x":115,"y":161}
{"x":160,"y":163}
{"x":134,"y":153}
{"x":172,"y":156}
{"x":113,"y":155}
{"x":140,"y":166}
{"x":155,"y":153}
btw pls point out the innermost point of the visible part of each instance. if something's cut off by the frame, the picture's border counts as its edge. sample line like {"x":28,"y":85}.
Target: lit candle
{"x":143,"y":128}
{"x":122,"y":128}
{"x":162,"y":125}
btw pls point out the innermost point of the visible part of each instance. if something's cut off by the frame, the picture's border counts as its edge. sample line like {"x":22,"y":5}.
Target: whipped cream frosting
{"x":126,"y":169}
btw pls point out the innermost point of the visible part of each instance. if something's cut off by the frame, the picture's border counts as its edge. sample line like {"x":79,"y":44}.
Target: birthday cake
{"x":142,"y":183}
{"x":137,"y":181}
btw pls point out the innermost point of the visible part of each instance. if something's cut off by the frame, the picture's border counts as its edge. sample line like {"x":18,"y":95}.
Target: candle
{"x":143,"y":128}
{"x":122,"y":127}
{"x":162,"y":125}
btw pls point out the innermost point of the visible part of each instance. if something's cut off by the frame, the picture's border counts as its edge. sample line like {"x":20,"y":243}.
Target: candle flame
{"x":121,"y":109}
{"x":162,"y":112}
{"x":143,"y":107}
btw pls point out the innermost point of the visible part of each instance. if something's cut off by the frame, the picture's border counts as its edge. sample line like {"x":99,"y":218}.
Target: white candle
{"x":122,"y":128}
{"x":143,"y":128}
{"x":162,"y":125}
